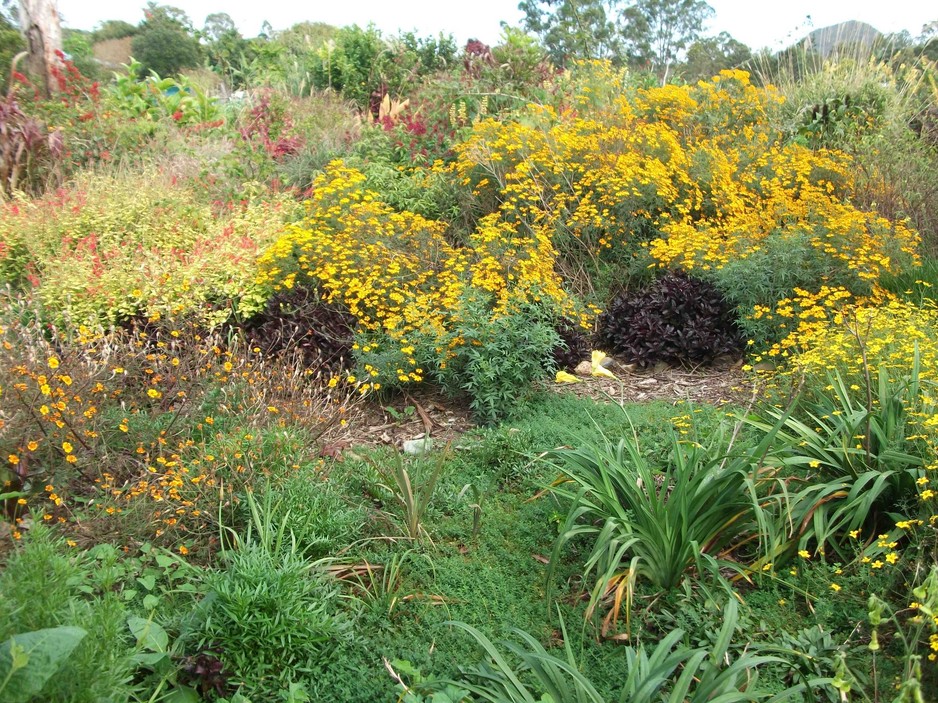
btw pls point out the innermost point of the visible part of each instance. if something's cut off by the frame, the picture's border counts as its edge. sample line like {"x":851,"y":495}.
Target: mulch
{"x":426,"y":411}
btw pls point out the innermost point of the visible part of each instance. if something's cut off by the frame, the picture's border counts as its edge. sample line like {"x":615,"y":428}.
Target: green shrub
{"x":353,"y":63}
{"x":656,"y":523}
{"x":671,"y":671}
{"x":271,"y":616}
{"x":165,"y":46}
{"x":115,"y":246}
{"x":154,"y":97}
{"x":853,"y":463}
{"x":502,"y":358}
{"x":364,"y":67}
{"x":46,"y":584}
{"x":321,"y":519}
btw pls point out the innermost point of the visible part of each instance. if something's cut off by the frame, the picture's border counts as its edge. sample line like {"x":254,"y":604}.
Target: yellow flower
{"x":67,"y":447}
{"x":804,"y":554}
{"x":597,"y":368}
{"x":564,"y":377}
{"x":53,"y":363}
{"x":153,"y":393}
{"x":835,"y":587}
{"x":13,"y":459}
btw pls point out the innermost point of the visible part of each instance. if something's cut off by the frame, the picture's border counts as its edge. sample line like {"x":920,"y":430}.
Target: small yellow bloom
{"x":53,"y":363}
{"x":835,"y":587}
{"x":804,"y":554}
{"x":597,"y":368}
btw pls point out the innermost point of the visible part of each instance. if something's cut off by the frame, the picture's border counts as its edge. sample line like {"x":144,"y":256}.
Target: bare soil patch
{"x":428,"y":412}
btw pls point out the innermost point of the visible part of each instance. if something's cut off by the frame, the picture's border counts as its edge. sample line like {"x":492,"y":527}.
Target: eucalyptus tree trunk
{"x":39,"y":23}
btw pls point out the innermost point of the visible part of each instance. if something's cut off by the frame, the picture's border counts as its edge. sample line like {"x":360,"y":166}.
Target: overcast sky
{"x":757,"y":23}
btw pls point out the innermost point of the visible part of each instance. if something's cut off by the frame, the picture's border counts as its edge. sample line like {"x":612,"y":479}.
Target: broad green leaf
{"x":150,"y":601}
{"x":149,"y":634}
{"x":183,"y":694}
{"x":29,"y":660}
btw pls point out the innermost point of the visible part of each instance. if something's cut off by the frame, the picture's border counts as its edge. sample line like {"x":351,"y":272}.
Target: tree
{"x":39,"y":23}
{"x":77,"y":45}
{"x":225,"y":47}
{"x":707,"y":57}
{"x":573,"y":29}
{"x":219,"y":25}
{"x":165,"y":44}
{"x":11,"y":44}
{"x":928,"y":41}
{"x":113,"y":29}
{"x":659,"y":30}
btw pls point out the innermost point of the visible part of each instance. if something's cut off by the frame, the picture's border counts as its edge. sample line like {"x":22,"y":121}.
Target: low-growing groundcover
{"x":201,"y":299}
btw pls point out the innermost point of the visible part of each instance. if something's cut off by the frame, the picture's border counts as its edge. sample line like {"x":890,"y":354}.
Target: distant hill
{"x":825,"y":40}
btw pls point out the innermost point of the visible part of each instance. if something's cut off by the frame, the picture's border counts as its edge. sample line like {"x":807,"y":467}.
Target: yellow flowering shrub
{"x":605,"y":176}
{"x":832,"y":331}
{"x":698,"y":175}
{"x":402,"y":280}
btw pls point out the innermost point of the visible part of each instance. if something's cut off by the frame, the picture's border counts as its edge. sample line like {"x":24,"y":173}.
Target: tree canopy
{"x":653,"y":33}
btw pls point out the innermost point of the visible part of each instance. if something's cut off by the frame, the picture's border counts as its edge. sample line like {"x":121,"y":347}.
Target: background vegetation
{"x":223,"y":260}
